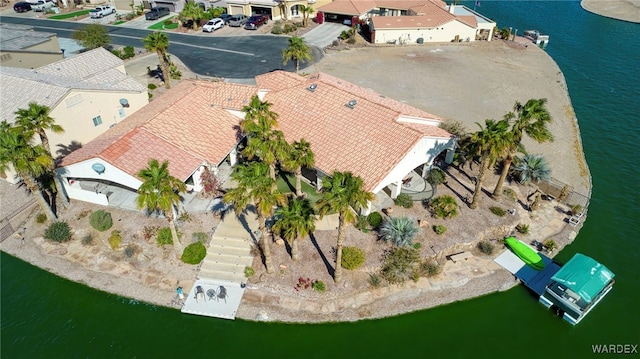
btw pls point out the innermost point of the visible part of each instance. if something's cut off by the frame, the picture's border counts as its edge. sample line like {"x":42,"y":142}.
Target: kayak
{"x":526,"y":253}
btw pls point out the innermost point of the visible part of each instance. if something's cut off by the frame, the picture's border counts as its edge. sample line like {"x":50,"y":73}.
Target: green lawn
{"x":287,"y":183}
{"x":69,"y":15}
{"x":119,"y":22}
{"x":160,"y":25}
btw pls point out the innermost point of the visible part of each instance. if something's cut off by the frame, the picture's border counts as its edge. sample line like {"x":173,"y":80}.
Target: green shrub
{"x":115,"y":239}
{"x":194,"y":253}
{"x":58,"y":232}
{"x":362,"y":224}
{"x":87,"y":239}
{"x":485,"y":247}
{"x":150,"y":94}
{"x":436,"y":176}
{"x":430,"y":268}
{"x":497,"y":211}
{"x":398,"y":264}
{"x":101,"y":220}
{"x":417,"y":245}
{"x":374,"y":218}
{"x":167,"y":22}
{"x":164,"y":236}
{"x":152,"y":86}
{"x":522,"y":228}
{"x":41,"y":218}
{"x":403,"y":200}
{"x":130,"y":250}
{"x":352,"y":258}
{"x":444,"y":207}
{"x":510,"y":193}
{"x":249,"y":272}
{"x":439,"y":229}
{"x":200,"y":237}
{"x":277,"y":28}
{"x":375,"y":280}
{"x":319,"y":286}
{"x":576,"y":209}
{"x":550,"y":245}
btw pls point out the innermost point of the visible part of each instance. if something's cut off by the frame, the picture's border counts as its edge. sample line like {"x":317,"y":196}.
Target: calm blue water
{"x":44,"y":316}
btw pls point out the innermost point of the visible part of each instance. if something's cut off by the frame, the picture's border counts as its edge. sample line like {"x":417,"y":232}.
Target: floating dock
{"x":536,"y":280}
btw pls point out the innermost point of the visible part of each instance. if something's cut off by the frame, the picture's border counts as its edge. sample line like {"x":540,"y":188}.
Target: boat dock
{"x":536,"y":280}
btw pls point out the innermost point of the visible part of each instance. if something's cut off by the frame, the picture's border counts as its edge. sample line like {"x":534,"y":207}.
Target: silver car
{"x":237,"y":20}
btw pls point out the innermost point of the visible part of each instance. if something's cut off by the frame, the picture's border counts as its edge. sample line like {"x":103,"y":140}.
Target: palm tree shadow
{"x":327,"y":264}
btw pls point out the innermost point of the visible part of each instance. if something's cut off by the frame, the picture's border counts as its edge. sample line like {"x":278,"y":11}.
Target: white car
{"x":213,"y":24}
{"x":41,"y":5}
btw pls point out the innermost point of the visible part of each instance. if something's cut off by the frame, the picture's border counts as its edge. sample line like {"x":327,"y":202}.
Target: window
{"x":97,"y":121}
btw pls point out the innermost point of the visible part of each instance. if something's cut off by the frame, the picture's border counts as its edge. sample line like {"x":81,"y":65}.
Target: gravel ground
{"x":627,"y":10}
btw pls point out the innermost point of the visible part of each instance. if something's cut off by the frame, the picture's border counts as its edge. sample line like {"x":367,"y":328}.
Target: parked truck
{"x":101,"y":11}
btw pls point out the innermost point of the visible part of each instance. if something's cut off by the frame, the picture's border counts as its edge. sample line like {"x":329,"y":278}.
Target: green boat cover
{"x":526,"y":253}
{"x":584,"y":276}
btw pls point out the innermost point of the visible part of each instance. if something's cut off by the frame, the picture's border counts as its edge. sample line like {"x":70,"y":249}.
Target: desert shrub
{"x":444,"y":207}
{"x":184,"y":217}
{"x":41,"y":218}
{"x":200,"y":237}
{"x":194,"y":253}
{"x":58,"y":232}
{"x":436,"y":176}
{"x":374,"y":218}
{"x":167,"y":22}
{"x":497,"y":211}
{"x":398,"y":264}
{"x":454,"y":127}
{"x":83,"y":214}
{"x":403,"y":200}
{"x":164,"y":236}
{"x":289,"y":28}
{"x":351,"y":40}
{"x":149,"y":94}
{"x":510,"y":193}
{"x":249,"y":272}
{"x":430,"y":268}
{"x":87,"y":239}
{"x":115,"y":239}
{"x":439,"y":229}
{"x":416,"y":245}
{"x":128,"y":52}
{"x":352,"y":258}
{"x":362,"y":224}
{"x":335,"y":43}
{"x":130,"y":250}
{"x":550,"y":245}
{"x":319,"y":286}
{"x":575,"y":209}
{"x":375,"y":280}
{"x":152,"y":86}
{"x":485,"y":247}
{"x":398,"y":230}
{"x":149,"y":231}
{"x":277,"y":28}
{"x":101,"y":220}
{"x":522,"y":228}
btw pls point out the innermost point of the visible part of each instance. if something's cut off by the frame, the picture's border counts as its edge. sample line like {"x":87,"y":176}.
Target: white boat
{"x":536,"y":37}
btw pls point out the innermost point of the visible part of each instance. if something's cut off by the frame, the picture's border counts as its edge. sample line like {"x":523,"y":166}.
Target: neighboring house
{"x":87,"y":94}
{"x":20,"y":46}
{"x":413,"y":21}
{"x":196,"y":123}
{"x":275,"y":9}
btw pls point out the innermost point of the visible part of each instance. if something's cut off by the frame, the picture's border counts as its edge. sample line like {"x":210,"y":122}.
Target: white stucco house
{"x":195,"y":125}
{"x":87,"y":94}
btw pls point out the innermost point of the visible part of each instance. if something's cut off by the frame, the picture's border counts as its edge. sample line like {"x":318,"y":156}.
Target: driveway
{"x":324,"y":34}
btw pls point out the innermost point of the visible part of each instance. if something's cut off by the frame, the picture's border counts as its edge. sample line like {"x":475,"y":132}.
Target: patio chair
{"x":199,"y":292}
{"x":222,"y":293}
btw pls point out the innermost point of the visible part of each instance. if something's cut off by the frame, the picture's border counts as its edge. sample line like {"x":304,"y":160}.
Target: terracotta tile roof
{"x":348,"y":7}
{"x":468,"y":20}
{"x":367,"y":140}
{"x":278,"y":80}
{"x":404,"y":22}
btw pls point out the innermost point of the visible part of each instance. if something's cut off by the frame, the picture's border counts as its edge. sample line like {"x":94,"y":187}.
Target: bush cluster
{"x":439,"y":229}
{"x":87,"y":239}
{"x":249,"y":272}
{"x":485,"y":247}
{"x":430,"y":268}
{"x":125,"y":53}
{"x":375,"y":280}
{"x":58,"y":232}
{"x":398,"y":264}
{"x":522,"y":228}
{"x":319,"y":286}
{"x":200,"y":237}
{"x":130,"y":250}
{"x":41,"y":218}
{"x":194,"y":253}
{"x":403,"y":200}
{"x":362,"y":224}
{"x":164,"y":236}
{"x":352,"y":258}
{"x":278,"y":28}
{"x":443,"y":207}
{"x":436,"y":176}
{"x":375,"y":219}
{"x":115,"y":239}
{"x":101,"y":220}
{"x":497,"y":211}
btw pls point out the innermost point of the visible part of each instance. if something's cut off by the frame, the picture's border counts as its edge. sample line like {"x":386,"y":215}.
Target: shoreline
{"x":372,"y":303}
{"x":623,"y":10}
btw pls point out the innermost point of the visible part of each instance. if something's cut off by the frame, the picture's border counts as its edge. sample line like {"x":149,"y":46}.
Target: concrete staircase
{"x":229,"y":251}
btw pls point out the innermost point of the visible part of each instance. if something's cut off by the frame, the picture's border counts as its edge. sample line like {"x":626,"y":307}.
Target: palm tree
{"x":35,"y":119}
{"x":530,"y":119}
{"x":192,"y":11}
{"x":532,"y":169}
{"x":306,"y":11}
{"x":299,"y":156}
{"x":160,"y":191}
{"x":293,"y":221}
{"x":399,"y":230}
{"x":489,"y":143}
{"x":255,"y":185}
{"x":258,"y":118}
{"x":298,"y":51}
{"x":159,"y":42}
{"x":343,"y":193}
{"x":27,"y":160}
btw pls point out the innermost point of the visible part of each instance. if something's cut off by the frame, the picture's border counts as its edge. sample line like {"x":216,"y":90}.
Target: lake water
{"x":44,"y":316}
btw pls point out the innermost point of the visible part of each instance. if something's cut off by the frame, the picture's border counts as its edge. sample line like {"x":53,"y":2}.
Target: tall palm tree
{"x":306,"y":11}
{"x":343,"y":193}
{"x":293,"y":221}
{"x":160,"y":191}
{"x":490,"y":143}
{"x":35,"y":119}
{"x":255,"y":185}
{"x":531,"y":119}
{"x":532,"y":169}
{"x":299,"y":156}
{"x":192,"y":11}
{"x":159,"y":42}
{"x":298,"y":51}
{"x":258,"y":118}
{"x":29,"y":161}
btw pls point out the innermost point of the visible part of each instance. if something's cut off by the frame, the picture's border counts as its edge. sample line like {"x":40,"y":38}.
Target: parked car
{"x":225,"y":17}
{"x":255,"y":21}
{"x":101,"y":11}
{"x":156,"y":12}
{"x":237,"y":20}
{"x":213,"y":24}
{"x":42,"y":5}
{"x":22,"y":7}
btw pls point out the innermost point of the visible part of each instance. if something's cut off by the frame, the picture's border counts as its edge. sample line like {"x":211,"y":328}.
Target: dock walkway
{"x":534,"y":279}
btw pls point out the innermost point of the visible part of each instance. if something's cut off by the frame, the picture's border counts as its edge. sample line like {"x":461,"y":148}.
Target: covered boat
{"x":526,"y":253}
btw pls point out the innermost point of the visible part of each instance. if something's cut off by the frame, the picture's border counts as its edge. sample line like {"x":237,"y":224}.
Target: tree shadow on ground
{"x":330,"y":268}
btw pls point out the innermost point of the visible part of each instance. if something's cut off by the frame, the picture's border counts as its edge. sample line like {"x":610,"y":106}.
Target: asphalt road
{"x":238,"y":57}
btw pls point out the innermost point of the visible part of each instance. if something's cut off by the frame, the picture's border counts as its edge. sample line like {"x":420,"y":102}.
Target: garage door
{"x":170,"y":5}
{"x":259,"y":10}
{"x":236,"y":10}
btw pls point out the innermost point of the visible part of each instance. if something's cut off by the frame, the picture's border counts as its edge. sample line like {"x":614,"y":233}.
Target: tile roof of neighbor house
{"x":348,"y":7}
{"x":21,"y":37}
{"x":369,"y":139}
{"x":191,"y":117}
{"x":49,"y":84}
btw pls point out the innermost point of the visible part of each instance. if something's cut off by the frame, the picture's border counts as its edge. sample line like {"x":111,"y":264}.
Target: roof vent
{"x":352,"y":104}
{"x":312,"y":87}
